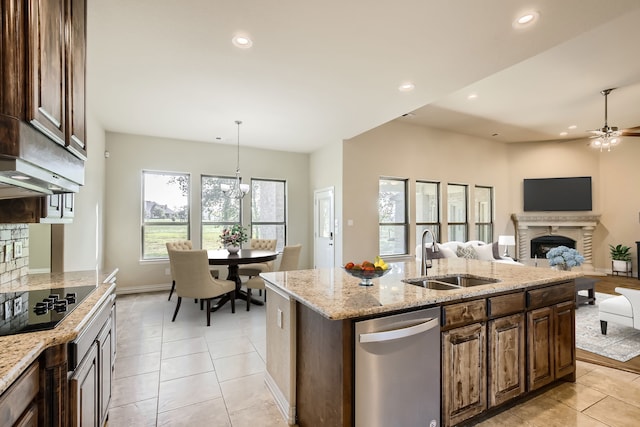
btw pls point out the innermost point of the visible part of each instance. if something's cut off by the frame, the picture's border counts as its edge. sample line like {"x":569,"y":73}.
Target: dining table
{"x":233,"y":261}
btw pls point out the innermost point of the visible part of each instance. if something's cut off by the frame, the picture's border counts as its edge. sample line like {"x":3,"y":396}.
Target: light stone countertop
{"x":18,"y":352}
{"x":336,"y":295}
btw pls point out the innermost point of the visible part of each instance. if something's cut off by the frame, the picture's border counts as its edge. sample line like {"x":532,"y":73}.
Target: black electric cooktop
{"x":38,"y":310}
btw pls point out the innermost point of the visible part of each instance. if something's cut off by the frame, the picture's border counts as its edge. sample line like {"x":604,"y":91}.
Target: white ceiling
{"x":322,"y":72}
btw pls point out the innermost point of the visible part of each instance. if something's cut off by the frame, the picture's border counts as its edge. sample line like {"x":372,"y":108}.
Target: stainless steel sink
{"x":449,"y":282}
{"x":465,"y":280}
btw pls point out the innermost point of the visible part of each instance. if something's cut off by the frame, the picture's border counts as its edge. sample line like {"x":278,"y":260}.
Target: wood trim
{"x":55,"y":391}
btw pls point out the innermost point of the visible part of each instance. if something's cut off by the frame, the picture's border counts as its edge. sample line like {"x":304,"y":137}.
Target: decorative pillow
{"x":446,"y":252}
{"x":466,"y":252}
{"x":484,"y":252}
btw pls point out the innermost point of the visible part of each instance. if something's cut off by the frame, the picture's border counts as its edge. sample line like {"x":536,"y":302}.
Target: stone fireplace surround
{"x":577,"y":227}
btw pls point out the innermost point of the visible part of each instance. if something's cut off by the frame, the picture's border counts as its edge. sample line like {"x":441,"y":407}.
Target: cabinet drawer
{"x":504,"y":305}
{"x":551,"y":295}
{"x":15,"y":401}
{"x":464,"y":313}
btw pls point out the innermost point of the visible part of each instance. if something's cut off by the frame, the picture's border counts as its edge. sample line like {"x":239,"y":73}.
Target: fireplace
{"x":541,"y":245}
{"x":538,"y":233}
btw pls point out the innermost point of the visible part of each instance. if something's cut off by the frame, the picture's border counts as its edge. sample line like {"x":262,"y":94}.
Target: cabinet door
{"x":47,"y":86}
{"x":68,"y":206}
{"x":463,"y":373}
{"x":76,"y":60}
{"x":53,"y":207}
{"x":83,"y":390}
{"x":506,"y":359}
{"x":565,"y":345}
{"x":541,"y":347}
{"x":105,"y":376}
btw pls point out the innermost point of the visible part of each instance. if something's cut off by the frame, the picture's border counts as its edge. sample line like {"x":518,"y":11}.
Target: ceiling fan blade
{"x":631,"y":131}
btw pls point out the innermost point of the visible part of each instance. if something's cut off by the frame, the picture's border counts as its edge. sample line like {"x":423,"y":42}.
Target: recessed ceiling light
{"x":472,"y":96}
{"x":406,"y":87}
{"x":573,"y":127}
{"x":564,"y":133}
{"x":525,"y":20}
{"x":242,"y":41}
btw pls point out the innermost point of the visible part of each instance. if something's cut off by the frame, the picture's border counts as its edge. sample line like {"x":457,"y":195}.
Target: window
{"x":165,"y":207}
{"x":218,"y":210}
{"x":268,"y":211}
{"x":484,"y":213}
{"x":457,"y":212}
{"x":392,"y":216}
{"x":427,"y":209}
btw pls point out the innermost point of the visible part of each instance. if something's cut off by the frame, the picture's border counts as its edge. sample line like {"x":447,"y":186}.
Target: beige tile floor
{"x":187,"y":374}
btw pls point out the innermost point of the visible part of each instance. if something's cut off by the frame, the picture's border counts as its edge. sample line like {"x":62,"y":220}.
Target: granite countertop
{"x":18,"y":352}
{"x":336,"y":295}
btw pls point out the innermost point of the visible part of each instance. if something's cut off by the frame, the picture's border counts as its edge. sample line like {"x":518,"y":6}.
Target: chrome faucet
{"x":434,"y":248}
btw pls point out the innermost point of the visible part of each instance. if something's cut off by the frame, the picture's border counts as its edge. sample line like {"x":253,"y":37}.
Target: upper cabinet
{"x":57,"y":56}
{"x":48,"y":89}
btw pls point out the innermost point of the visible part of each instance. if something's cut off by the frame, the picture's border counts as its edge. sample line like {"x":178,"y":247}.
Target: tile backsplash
{"x":14,"y":251}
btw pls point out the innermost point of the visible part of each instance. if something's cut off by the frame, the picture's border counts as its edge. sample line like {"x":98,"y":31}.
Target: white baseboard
{"x":288,"y":411}
{"x":142,"y":289}
{"x":39,"y":270}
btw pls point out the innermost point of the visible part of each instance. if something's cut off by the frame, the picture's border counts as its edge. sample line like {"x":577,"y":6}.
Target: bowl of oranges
{"x":367,"y":270}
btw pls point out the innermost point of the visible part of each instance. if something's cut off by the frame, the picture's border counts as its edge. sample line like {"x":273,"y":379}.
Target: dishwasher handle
{"x":395,"y":334}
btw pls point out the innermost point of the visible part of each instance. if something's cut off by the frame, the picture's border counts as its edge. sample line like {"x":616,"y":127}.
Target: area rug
{"x":621,"y":343}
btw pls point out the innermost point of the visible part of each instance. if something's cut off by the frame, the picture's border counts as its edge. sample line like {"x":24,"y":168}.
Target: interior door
{"x":324,"y":228}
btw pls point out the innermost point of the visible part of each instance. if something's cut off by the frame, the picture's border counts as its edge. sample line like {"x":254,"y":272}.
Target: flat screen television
{"x":557,"y":194}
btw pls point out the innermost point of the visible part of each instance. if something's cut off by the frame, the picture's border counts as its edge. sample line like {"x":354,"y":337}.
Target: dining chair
{"x":181,"y":245}
{"x":288,"y":262}
{"x":259,"y":267}
{"x":194,"y":280}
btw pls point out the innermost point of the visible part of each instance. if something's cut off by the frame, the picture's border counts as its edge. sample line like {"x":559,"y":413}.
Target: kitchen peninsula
{"x":499,"y":341}
{"x":44,"y":373}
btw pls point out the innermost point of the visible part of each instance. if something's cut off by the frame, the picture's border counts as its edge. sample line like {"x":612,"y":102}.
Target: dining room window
{"x":165,"y":211}
{"x":269,"y":210}
{"x":392,"y":216}
{"x":427,"y":209}
{"x":217,"y":210}
{"x":457,"y":215}
{"x":483,"y":200}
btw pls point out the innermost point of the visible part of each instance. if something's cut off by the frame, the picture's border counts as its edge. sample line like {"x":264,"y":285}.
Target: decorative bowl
{"x":367,"y":275}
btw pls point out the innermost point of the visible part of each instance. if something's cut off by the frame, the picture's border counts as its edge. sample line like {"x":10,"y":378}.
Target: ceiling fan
{"x":609,"y":136}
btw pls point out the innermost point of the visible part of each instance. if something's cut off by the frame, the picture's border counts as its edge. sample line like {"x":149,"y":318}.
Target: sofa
{"x":473,"y":249}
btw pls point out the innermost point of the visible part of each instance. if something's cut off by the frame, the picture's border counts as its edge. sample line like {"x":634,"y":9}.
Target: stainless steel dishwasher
{"x":398,"y":370}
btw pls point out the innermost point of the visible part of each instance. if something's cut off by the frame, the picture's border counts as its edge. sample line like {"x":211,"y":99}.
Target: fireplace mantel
{"x":575,"y":226}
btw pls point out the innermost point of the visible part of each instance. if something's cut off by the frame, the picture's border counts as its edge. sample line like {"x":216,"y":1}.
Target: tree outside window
{"x":218,"y":210}
{"x":165,"y":211}
{"x":268,"y":210}
{"x":392,"y":216}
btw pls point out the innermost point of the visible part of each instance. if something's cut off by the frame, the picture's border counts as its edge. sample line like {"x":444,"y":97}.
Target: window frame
{"x":490,"y":223}
{"x":435,"y":227}
{"x":224,"y":224}
{"x":283,"y":223}
{"x":144,"y":224}
{"x":404,"y":224}
{"x":465,"y":223}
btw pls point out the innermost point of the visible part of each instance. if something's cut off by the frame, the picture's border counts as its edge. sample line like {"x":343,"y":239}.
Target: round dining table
{"x":232,"y":261}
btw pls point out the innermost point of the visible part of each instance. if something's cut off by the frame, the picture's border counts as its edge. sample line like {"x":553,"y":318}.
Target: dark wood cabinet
{"x":507,"y":361}
{"x":84,"y":391}
{"x":18,"y":405}
{"x":43,"y":52}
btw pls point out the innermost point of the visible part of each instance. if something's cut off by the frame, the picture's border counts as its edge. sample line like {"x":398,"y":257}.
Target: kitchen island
{"x":526,"y":319}
{"x":46,"y":371}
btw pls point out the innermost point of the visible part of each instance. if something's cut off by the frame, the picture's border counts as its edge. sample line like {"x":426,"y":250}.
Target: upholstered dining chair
{"x":194,"y":280}
{"x":259,"y":267}
{"x":289,"y":261}
{"x":181,"y":245}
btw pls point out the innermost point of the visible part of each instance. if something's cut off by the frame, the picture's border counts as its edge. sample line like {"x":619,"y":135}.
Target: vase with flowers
{"x":564,"y":258}
{"x":232,"y":238}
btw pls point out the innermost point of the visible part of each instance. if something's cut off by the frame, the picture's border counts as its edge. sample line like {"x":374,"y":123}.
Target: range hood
{"x":19,"y":178}
{"x":32,"y":165}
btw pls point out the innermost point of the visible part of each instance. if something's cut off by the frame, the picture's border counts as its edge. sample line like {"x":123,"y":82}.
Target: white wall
{"x":83,"y":239}
{"x":130,"y":154}
{"x":326,"y":171}
{"x":412,"y":152}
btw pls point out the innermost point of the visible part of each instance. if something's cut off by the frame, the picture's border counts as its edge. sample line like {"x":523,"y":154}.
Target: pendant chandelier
{"x":237,"y":190}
